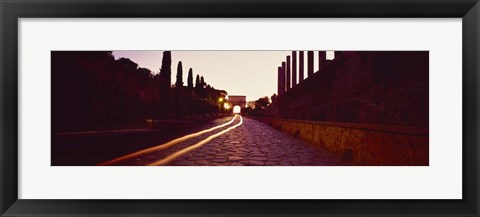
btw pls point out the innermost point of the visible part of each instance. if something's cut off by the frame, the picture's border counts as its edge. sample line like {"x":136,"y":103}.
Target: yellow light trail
{"x":165,"y":145}
{"x":177,"y":154}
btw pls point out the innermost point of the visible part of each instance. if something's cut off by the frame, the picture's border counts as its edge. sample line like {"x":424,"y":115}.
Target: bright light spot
{"x":220,"y":99}
{"x":226,"y":105}
{"x":236,"y":109}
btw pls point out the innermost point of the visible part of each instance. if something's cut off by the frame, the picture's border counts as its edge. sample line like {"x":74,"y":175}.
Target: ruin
{"x":281,"y":81}
{"x":370,"y":105}
{"x":301,"y":67}
{"x":294,"y":68}
{"x":289,"y":79}
{"x":310,"y":63}
{"x":284,"y":82}
{"x":363,"y":87}
{"x":287,"y":73}
{"x":237,"y":100}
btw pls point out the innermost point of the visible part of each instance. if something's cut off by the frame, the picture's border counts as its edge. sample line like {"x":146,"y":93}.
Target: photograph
{"x":239,"y":108}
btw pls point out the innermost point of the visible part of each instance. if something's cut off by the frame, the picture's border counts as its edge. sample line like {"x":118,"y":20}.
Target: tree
{"x":127,"y":63}
{"x":197,"y":82}
{"x":190,"y":79}
{"x":145,"y":71}
{"x":202,"y":82}
{"x":179,"y":81}
{"x":262,"y":103}
{"x":166,"y":70}
{"x":273,"y":98}
{"x":251,"y":104}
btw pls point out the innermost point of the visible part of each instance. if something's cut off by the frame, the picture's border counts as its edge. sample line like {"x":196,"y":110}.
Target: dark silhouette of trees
{"x":262,"y":103}
{"x":178,"y":94}
{"x":91,"y":90}
{"x":179,"y":82}
{"x":145,"y":71}
{"x":198,"y":85}
{"x":190,"y":79}
{"x":274,"y":97}
{"x":251,"y":104}
{"x":197,"y":82}
{"x":166,"y":70}
{"x":127,"y":63}
{"x":258,"y":107}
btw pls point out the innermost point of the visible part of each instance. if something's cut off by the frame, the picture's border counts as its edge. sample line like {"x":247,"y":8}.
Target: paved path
{"x":253,"y":143}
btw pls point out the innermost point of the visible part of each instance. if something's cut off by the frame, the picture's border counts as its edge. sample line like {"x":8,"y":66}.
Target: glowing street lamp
{"x":220,"y":100}
{"x":226,"y":105}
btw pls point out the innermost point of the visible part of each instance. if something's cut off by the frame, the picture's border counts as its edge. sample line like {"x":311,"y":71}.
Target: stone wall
{"x":362,"y":144}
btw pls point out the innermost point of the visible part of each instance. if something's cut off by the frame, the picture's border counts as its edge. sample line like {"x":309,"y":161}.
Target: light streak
{"x":177,"y":154}
{"x":163,"y":146}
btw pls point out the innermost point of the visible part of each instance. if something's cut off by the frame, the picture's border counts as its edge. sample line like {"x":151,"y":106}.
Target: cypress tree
{"x":202,"y":82}
{"x":166,"y":70}
{"x":197,"y":82}
{"x":179,"y":81}
{"x":190,"y":78}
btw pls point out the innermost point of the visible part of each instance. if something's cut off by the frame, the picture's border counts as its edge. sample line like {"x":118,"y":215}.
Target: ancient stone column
{"x":322,"y":58}
{"x":294,"y":68}
{"x":310,"y":63}
{"x":279,"y":80}
{"x":289,"y":78}
{"x":301,"y":66}
{"x":284,"y":71}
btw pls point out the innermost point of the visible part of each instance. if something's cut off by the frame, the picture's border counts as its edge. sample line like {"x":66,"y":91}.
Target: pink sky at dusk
{"x":250,"y":73}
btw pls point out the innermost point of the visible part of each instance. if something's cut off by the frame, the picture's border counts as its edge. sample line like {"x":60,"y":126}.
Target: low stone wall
{"x":362,"y":144}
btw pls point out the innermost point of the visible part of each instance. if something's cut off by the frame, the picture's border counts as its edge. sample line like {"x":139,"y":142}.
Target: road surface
{"x":246,"y":142}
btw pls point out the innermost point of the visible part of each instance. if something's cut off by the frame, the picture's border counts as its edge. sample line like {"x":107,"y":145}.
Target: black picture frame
{"x":12,"y":10}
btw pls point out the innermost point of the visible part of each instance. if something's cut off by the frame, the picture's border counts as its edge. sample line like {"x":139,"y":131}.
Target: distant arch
{"x":238,"y":100}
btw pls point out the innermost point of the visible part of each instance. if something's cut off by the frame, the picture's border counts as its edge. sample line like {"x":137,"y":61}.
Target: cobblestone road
{"x":253,"y":143}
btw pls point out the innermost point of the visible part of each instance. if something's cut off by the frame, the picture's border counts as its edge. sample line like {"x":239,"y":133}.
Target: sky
{"x":249,"y":73}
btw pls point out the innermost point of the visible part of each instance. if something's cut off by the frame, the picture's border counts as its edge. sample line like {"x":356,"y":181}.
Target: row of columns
{"x":287,"y":72}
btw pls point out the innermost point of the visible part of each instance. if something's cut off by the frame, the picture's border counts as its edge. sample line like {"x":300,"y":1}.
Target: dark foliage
{"x":179,"y":81}
{"x":166,"y":70}
{"x":190,"y":79}
{"x":92,"y":90}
